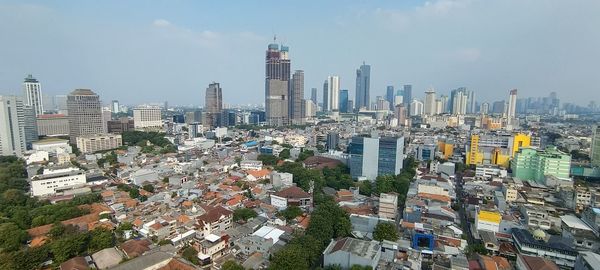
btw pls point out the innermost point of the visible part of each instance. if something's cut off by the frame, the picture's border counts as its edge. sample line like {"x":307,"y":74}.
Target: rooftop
{"x":574,"y":222}
{"x":362,"y":248}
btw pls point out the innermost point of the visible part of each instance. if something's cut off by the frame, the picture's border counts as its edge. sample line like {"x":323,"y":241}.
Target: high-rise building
{"x":430,"y":105}
{"x":407,"y":95}
{"x":277,"y":84}
{"x":296,"y":97}
{"x":471,"y":102}
{"x":344,"y":101}
{"x":512,"y":105}
{"x":53,"y":125}
{"x":106,"y":116}
{"x":333,"y":139}
{"x":326,"y":96}
{"x":12,"y":126}
{"x":372,"y":157}
{"x":495,"y":149}
{"x":32,"y":94}
{"x":536,"y":165}
{"x":213,"y":105}
{"x":363,"y":87}
{"x":147,"y":118}
{"x":401,"y":114}
{"x":313,"y":96}
{"x":85,"y":113}
{"x":389,"y":96}
{"x":333,"y":90}
{"x":595,"y":155}
{"x":31,"y":131}
{"x":416,"y":108}
{"x":114,"y":106}
{"x":485,"y":108}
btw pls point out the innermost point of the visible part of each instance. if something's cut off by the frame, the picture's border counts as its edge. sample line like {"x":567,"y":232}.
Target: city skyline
{"x":173,"y":49}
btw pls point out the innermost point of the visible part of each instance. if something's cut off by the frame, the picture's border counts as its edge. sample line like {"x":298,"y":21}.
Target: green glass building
{"x":533,"y":165}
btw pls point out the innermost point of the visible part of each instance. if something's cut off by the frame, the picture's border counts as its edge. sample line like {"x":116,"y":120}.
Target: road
{"x":461,"y":197}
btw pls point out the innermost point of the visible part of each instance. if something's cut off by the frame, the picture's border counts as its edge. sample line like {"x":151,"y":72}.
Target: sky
{"x":155,"y":51}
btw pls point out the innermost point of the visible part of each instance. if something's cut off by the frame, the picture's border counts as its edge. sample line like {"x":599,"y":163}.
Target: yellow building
{"x":447,"y":148}
{"x":488,"y":221}
{"x":495,"y":149}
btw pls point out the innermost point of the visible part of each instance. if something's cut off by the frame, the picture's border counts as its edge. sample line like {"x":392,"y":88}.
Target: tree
{"x":148,"y":187}
{"x":268,"y":160}
{"x":191,"y":254}
{"x":11,"y":237}
{"x":291,"y":212}
{"x":100,"y":238}
{"x":243,"y":214}
{"x":69,"y":246}
{"x":385,"y":231}
{"x":360,"y":267}
{"x":134,"y":193}
{"x":231,"y":265}
{"x":285,"y":153}
{"x":476,"y":249}
{"x":290,"y":257}
{"x":305,"y":154}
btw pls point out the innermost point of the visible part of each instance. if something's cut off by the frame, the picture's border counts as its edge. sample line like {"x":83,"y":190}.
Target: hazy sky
{"x":152,"y":51}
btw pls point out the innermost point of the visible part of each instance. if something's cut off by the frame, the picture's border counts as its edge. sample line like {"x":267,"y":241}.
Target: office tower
{"x":106,"y":116}
{"x":401,"y":114}
{"x":470,"y":102}
{"x":485,"y":108}
{"x":363,"y":85}
{"x":407,"y":95}
{"x":371,"y":157}
{"x":296,"y":95}
{"x":333,"y":92}
{"x":147,"y":118}
{"x":398,"y":99}
{"x":32,"y":94}
{"x":326,"y":96}
{"x":277,"y":84}
{"x":444,"y":104}
{"x":310,"y":109}
{"x":389,"y":96}
{"x":512,"y":105}
{"x":85,"y":113}
{"x":498,"y":107}
{"x":333,"y":139}
{"x":439,"y":106}
{"x":53,"y":125}
{"x":595,"y":154}
{"x":31,"y":131}
{"x":313,"y":95}
{"x":213,"y":105}
{"x":121,"y":125}
{"x":12,"y":126}
{"x":430,"y":102}
{"x":344,"y":101}
{"x":382,"y":104}
{"x":350,"y":105}
{"x":536,"y":165}
{"x":166,"y":106}
{"x":416,"y":108}
{"x":460,"y":101}
{"x":114,"y":106}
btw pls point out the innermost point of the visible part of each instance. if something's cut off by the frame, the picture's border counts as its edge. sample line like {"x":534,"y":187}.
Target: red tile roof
{"x":293,"y":193}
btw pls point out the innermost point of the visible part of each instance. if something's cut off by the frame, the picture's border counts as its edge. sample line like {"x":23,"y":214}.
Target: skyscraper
{"x":471,"y":102}
{"x":416,"y":108}
{"x":333,"y":91}
{"x":343,"y":101}
{"x":277,"y":78}
{"x":213,"y":105}
{"x":363,"y":85}
{"x":296,"y":96}
{"x":114,"y":106}
{"x":372,"y":157}
{"x":430,"y":104}
{"x":30,"y":125}
{"x":459,"y":102}
{"x":326,"y":98}
{"x":12,"y":126}
{"x":313,"y":96}
{"x":595,"y":155}
{"x":512,"y":105}
{"x":389,"y":96}
{"x":407,"y":94}
{"x":32,"y":94}
{"x":147,"y":118}
{"x":85,"y":113}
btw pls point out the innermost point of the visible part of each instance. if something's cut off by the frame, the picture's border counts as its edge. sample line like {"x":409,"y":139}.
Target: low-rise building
{"x":291,"y":196}
{"x":347,"y":252}
{"x":53,"y":146}
{"x":215,"y":220}
{"x":98,"y":142}
{"x":212,"y":247}
{"x":488,"y":220}
{"x":388,"y":205}
{"x":553,"y":249}
{"x":51,"y":182}
{"x":251,"y":165}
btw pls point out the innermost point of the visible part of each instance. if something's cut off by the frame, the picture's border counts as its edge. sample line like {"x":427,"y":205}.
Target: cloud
{"x":441,"y":7}
{"x":161,"y":23}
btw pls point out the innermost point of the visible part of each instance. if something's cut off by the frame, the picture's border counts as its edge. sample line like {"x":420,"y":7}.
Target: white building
{"x":12,"y":126}
{"x":32,"y":94}
{"x":282,"y":180}
{"x":53,"y":146}
{"x":100,"y":142}
{"x":430,"y":104}
{"x":416,"y":108}
{"x":53,"y":181}
{"x":388,"y":205}
{"x":251,"y":165}
{"x":333,"y":83}
{"x":147,"y":118}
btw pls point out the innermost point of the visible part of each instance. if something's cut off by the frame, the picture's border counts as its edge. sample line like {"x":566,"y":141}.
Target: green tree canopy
{"x":385,"y":231}
{"x":243,"y":214}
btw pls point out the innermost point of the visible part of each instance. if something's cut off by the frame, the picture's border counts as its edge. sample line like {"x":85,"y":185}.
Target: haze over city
{"x":170,"y":51}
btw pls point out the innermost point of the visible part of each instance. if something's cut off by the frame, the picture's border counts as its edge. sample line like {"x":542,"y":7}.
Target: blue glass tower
{"x":343,"y":101}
